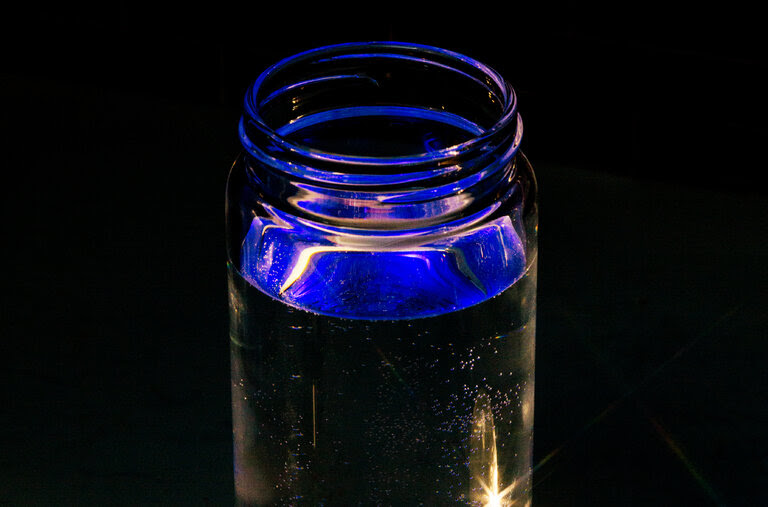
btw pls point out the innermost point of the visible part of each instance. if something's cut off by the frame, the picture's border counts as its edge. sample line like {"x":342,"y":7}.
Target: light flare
{"x":486,"y":488}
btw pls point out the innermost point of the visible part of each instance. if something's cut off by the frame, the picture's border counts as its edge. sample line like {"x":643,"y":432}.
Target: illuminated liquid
{"x":427,"y":411}
{"x":391,"y":370}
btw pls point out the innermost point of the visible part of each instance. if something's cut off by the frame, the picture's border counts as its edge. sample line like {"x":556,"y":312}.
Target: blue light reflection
{"x":390,"y":278}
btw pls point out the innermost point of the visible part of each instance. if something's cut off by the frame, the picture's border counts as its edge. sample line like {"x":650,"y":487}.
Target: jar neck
{"x":381,"y":136}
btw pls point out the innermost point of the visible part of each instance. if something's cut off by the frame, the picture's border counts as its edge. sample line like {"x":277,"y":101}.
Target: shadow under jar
{"x":381,"y":235}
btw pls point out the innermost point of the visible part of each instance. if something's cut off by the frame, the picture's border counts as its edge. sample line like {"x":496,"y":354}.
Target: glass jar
{"x":381,"y":235}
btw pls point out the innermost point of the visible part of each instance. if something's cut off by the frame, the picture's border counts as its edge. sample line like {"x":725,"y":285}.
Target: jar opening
{"x":378,"y":104}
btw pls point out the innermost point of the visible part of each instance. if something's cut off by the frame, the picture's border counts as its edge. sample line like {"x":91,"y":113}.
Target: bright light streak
{"x":484,"y":459}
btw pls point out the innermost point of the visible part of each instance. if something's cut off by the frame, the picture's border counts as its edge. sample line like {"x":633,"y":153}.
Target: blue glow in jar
{"x":381,"y":235}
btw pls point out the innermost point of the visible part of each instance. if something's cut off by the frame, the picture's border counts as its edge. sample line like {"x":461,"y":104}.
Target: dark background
{"x":645,"y":122}
{"x":662,"y":90}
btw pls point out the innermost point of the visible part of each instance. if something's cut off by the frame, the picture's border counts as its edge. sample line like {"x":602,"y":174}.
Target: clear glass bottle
{"x":381,"y":226}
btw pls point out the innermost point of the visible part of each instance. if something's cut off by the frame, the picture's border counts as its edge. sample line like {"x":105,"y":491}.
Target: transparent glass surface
{"x":382,"y":269}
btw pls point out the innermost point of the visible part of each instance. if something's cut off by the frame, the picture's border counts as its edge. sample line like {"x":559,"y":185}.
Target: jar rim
{"x":386,"y":49}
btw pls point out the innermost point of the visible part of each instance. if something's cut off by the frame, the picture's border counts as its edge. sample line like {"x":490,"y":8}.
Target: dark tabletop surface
{"x":651,"y":337}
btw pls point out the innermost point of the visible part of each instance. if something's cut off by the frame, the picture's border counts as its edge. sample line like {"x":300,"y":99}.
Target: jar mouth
{"x":282,"y":83}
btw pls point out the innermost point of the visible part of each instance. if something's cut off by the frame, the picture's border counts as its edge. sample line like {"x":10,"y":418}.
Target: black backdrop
{"x":662,"y":90}
{"x":645,"y":122}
